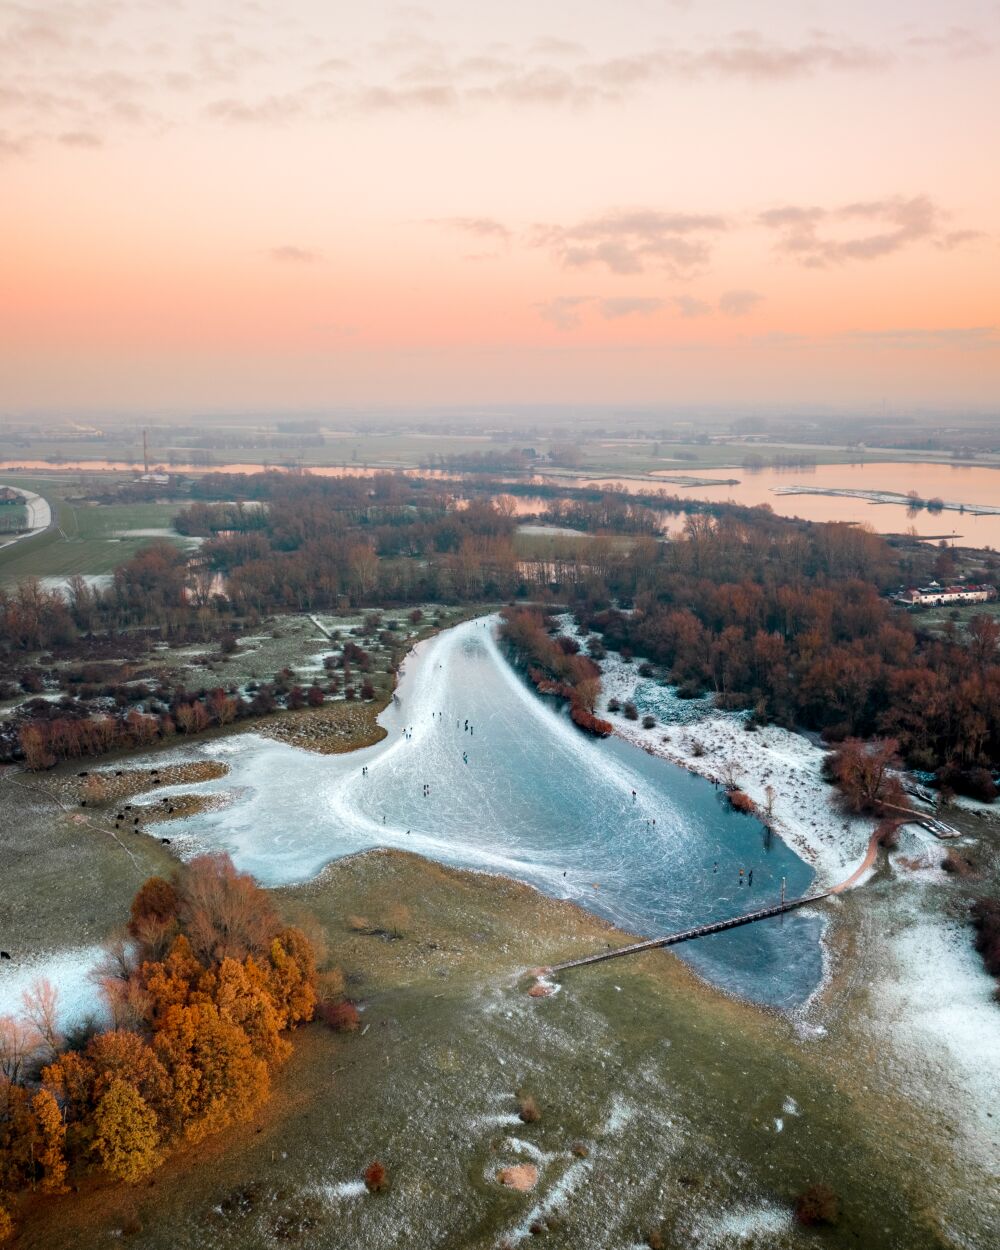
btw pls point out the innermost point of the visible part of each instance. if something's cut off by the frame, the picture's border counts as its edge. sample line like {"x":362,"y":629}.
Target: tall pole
{"x":782,"y":899}
{"x":145,"y":454}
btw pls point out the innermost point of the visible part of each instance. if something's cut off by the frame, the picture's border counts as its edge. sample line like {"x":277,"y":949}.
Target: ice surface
{"x":536,"y":800}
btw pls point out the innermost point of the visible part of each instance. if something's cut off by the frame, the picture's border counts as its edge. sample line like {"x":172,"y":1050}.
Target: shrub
{"x":376,"y":1177}
{"x":527,"y":1109}
{"x":631,"y":711}
{"x":986,"y":918}
{"x":741,"y":802}
{"x":614,"y":705}
{"x":887,"y":833}
{"x":588,"y":721}
{"x":367,"y":690}
{"x":957,"y":864}
{"x":342,"y":1017}
{"x":649,"y":722}
{"x":817,"y":1205}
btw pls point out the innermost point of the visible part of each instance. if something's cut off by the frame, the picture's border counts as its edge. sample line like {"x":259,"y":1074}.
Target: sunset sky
{"x":218,"y":205}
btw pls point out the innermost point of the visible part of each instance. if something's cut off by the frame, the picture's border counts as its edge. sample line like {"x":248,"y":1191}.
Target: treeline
{"x":791,"y":624}
{"x":555,"y":666}
{"x":612,"y":513}
{"x":199,"y":996}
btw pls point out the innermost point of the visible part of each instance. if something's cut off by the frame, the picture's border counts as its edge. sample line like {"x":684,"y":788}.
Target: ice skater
{"x":750,"y":878}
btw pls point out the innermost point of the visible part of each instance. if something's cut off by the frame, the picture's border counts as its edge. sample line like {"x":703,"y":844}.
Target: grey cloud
{"x":738,"y":303}
{"x":564,"y":311}
{"x":627,"y":242}
{"x":818,"y":237}
{"x":289,"y":254}
{"x":966,"y":338}
{"x":12,"y":145}
{"x":483,"y":227}
{"x":80,"y":139}
{"x":960,"y":42}
{"x":634,"y":306}
{"x":552,"y":46}
{"x":391,"y":98}
{"x":269,"y":110}
{"x":955,"y":238}
{"x":750,"y":55}
{"x":688,"y":306}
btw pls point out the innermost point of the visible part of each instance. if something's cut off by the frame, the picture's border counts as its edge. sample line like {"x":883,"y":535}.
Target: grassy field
{"x":86,"y":538}
{"x":667,"y":1111}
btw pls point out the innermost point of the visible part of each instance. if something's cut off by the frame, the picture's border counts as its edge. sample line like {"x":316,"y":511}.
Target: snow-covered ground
{"x":936,"y":1005}
{"x":95,"y":581}
{"x":67,"y":970}
{"x":690,"y":732}
{"x":932,"y":1000}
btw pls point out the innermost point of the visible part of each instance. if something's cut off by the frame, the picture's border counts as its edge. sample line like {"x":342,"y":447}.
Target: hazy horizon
{"x":700,"y":206}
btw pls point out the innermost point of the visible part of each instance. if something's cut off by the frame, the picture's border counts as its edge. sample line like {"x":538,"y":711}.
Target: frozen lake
{"x":537,"y":800}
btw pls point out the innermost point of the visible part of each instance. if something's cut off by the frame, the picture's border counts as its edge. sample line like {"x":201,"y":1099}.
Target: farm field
{"x":86,"y":538}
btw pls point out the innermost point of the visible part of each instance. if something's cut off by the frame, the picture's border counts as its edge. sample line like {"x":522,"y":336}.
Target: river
{"x":537,"y":801}
{"x":782,"y":489}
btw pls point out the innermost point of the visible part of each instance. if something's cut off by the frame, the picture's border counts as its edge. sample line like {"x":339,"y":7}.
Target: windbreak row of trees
{"x":199,"y":998}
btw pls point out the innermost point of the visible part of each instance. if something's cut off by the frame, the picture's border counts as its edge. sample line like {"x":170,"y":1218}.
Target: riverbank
{"x":900,"y":950}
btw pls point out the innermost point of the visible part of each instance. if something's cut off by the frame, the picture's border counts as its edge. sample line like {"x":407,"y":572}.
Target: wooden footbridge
{"x":688,"y":935}
{"x":718,"y":926}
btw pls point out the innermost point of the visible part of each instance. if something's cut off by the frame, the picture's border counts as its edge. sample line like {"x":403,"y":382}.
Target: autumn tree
{"x":126,"y":1138}
{"x":223,"y":912}
{"x":51,"y":1155}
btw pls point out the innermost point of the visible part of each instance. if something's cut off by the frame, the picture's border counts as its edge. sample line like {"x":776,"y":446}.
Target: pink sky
{"x":221,"y":204}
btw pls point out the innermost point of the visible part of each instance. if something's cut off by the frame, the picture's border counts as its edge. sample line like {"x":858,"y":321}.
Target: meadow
{"x":85,"y":538}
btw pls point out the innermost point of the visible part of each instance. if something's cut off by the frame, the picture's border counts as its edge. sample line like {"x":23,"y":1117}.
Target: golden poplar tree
{"x":126,"y":1137}
{"x":52,"y":1132}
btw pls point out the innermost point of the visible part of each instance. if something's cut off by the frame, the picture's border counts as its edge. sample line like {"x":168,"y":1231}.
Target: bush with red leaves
{"x":741,"y":802}
{"x":590,"y":723}
{"x":342,"y":1017}
{"x":376,"y":1177}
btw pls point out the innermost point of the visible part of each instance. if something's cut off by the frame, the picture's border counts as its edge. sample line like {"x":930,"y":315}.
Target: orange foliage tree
{"x":201,"y":998}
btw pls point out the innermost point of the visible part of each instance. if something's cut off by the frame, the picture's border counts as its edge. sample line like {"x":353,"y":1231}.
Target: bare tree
{"x":41,"y":1006}
{"x":16,"y":1039}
